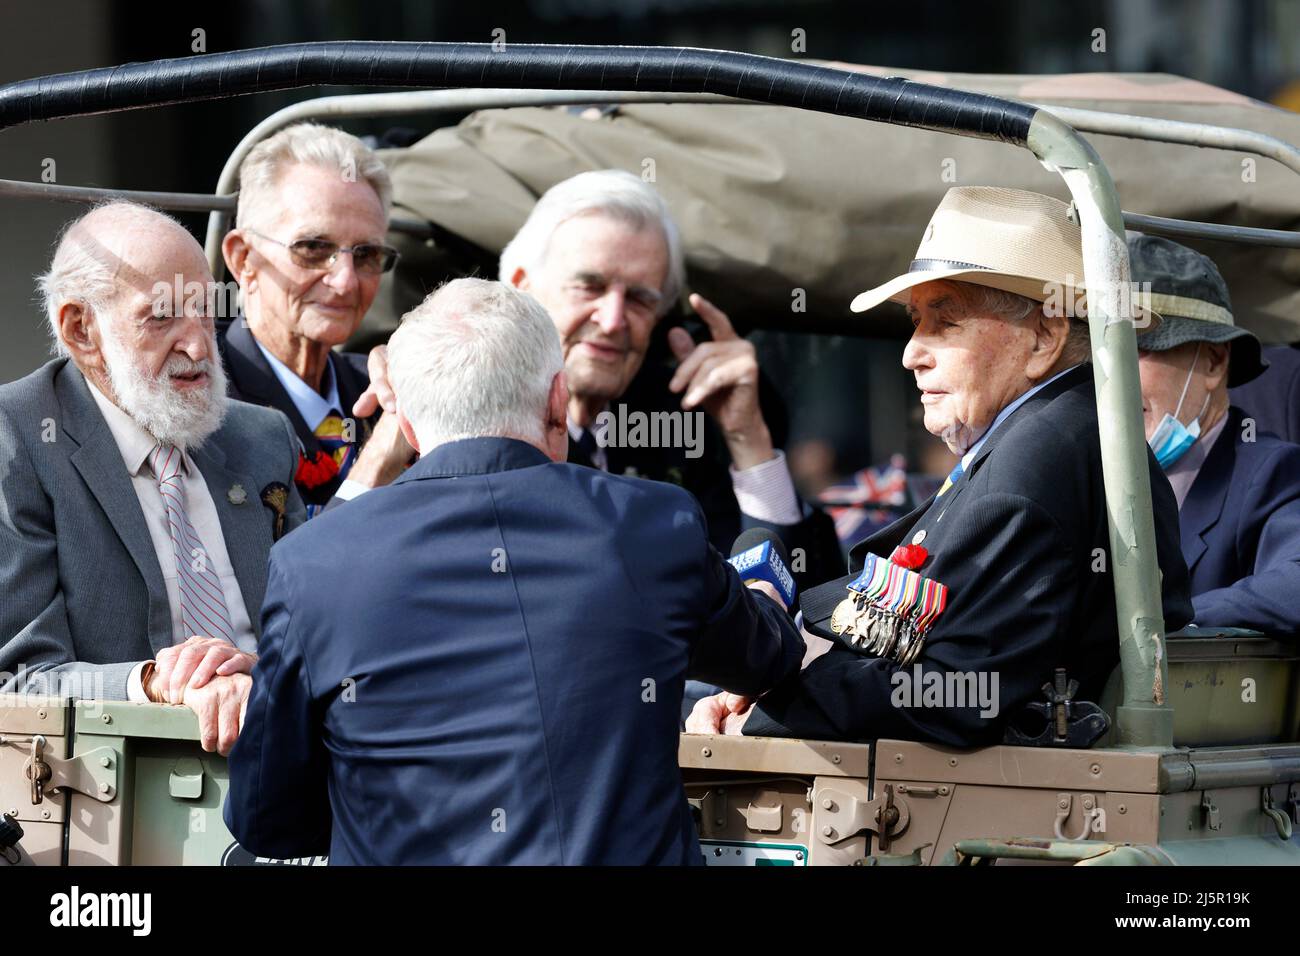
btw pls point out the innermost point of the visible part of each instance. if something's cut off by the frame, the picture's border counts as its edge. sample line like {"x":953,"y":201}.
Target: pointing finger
{"x":719,"y":325}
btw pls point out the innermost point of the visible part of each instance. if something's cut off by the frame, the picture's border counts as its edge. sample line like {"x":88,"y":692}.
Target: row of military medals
{"x":889,"y":610}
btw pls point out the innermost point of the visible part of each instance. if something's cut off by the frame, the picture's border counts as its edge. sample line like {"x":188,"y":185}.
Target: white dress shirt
{"x":135,"y":444}
{"x":312,"y":405}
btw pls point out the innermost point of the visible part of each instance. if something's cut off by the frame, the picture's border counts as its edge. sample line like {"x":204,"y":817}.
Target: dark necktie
{"x":587,"y":445}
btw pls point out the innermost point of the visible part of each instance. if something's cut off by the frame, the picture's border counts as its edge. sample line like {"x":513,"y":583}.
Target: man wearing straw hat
{"x":1238,"y":489}
{"x":954,"y":617}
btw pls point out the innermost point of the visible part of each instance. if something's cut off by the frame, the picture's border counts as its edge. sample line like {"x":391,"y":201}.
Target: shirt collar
{"x":1003,"y":415}
{"x":133,"y":441}
{"x":1182,"y":473}
{"x":311,"y":405}
{"x":474,"y":456}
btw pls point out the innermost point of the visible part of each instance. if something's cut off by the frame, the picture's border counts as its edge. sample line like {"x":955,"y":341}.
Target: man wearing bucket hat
{"x":1238,"y":489}
{"x":1005,"y":574}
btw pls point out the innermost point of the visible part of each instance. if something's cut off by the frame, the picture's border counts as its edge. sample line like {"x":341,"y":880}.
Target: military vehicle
{"x":1199,"y":761}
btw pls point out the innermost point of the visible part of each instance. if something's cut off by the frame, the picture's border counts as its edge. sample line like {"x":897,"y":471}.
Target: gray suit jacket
{"x":82,"y":598}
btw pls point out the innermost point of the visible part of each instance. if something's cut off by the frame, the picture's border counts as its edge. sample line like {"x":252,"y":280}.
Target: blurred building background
{"x":1248,"y":46}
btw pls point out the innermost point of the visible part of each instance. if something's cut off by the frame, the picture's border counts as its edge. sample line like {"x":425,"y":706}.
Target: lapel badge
{"x":276,"y":497}
{"x":236,"y":495}
{"x":918,"y":537}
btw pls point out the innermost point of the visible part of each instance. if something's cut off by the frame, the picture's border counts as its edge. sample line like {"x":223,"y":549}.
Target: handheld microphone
{"x":759,"y":555}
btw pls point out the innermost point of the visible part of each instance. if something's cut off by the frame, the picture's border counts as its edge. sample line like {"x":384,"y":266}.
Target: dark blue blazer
{"x":510,"y":691}
{"x":1016,"y":540}
{"x":1240,"y":528}
{"x":1273,"y":399}
{"x":251,"y":379}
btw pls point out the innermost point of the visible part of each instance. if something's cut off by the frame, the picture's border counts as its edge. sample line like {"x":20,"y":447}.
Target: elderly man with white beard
{"x":137,"y":503}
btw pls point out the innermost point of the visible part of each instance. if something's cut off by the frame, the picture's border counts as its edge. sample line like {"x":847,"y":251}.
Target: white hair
{"x":310,"y":144}
{"x":607,"y":192}
{"x":81,"y":272}
{"x":475,"y":359}
{"x":1017,"y":308}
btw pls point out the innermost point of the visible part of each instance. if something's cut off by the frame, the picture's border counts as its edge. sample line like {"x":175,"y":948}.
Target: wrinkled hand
{"x":380,"y":393}
{"x":385,"y":455}
{"x":721,"y":376}
{"x":219,"y":705}
{"x":193,"y":664}
{"x":720,"y":714}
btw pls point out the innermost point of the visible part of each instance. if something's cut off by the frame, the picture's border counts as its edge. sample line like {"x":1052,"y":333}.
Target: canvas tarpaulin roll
{"x":786,"y":214}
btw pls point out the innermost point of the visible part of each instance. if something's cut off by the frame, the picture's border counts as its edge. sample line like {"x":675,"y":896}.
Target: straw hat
{"x":1007,"y":239}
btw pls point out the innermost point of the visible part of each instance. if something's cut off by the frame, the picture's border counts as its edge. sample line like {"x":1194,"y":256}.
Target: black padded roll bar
{"x":658,"y":69}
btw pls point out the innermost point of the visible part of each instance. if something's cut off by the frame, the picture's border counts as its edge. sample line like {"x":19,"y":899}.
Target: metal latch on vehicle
{"x":1094,"y":816}
{"x":93,"y":773}
{"x":1211,"y":811}
{"x":842,"y":815}
{"x":1280,"y":819}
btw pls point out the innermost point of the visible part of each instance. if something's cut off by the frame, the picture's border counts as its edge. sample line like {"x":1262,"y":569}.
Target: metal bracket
{"x":843,"y":815}
{"x":1093,"y":816}
{"x":762,"y":819}
{"x":93,"y":773}
{"x":1211,"y":812}
{"x":1065,"y":722}
{"x":1293,"y":804}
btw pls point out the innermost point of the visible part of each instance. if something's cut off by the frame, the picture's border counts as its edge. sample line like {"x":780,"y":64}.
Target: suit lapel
{"x":99,"y":462}
{"x":255,"y":382}
{"x":245,"y":527}
{"x":1204,"y":502}
{"x":884,"y":541}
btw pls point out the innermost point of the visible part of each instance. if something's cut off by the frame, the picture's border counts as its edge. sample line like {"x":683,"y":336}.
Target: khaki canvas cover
{"x":782,"y":209}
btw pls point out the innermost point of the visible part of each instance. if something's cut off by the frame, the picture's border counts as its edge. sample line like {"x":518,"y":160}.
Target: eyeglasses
{"x":367,"y":257}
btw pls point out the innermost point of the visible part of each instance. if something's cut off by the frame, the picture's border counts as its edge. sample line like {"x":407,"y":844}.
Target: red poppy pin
{"x":910,"y":556}
{"x":314,"y":472}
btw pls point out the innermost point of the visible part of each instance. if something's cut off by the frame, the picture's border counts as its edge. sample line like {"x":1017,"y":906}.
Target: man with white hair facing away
{"x":308,"y":252}
{"x":510,"y":691}
{"x":602,"y":254}
{"x":137,"y":503}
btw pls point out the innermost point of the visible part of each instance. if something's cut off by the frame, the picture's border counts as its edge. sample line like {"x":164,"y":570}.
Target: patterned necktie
{"x":203,"y":603}
{"x":338,"y":441}
{"x":953,"y":477}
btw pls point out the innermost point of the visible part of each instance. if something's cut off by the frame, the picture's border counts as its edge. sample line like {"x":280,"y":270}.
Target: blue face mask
{"x":1172,"y":438}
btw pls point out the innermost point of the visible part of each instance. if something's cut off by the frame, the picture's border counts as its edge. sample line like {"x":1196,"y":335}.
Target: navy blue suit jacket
{"x":509,"y":692}
{"x":1240,"y":528}
{"x":1273,"y":399}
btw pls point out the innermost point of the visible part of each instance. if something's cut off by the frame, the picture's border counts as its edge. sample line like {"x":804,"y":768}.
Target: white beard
{"x":171,"y":416}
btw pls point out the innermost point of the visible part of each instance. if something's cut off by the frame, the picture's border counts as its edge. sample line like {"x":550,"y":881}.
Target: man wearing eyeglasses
{"x":308,"y":254}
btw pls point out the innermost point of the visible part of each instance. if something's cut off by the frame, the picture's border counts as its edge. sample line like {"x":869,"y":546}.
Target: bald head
{"x":116,"y":248}
{"x":129,"y":300}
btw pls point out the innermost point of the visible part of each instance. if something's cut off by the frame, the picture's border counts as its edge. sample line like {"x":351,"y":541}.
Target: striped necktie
{"x":338,"y":441}
{"x":953,"y":477}
{"x":203,"y":603}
